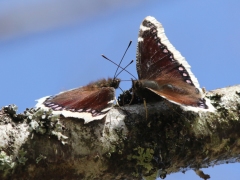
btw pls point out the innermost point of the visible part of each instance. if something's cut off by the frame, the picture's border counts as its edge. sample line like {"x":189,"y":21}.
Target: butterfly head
{"x":136,"y":84}
{"x":114,"y":83}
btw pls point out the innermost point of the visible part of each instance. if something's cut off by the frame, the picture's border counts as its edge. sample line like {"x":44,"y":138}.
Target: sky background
{"x":48,"y":47}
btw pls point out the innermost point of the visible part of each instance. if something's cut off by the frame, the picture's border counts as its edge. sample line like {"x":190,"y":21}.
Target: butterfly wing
{"x":176,"y":92}
{"x":159,"y":62}
{"x":156,"y":56}
{"x":88,"y":102}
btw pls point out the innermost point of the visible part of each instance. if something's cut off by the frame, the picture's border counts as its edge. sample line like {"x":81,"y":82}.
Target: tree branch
{"x":38,"y":145}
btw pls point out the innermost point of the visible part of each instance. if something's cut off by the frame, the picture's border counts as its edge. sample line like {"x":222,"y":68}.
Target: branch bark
{"x":125,"y":145}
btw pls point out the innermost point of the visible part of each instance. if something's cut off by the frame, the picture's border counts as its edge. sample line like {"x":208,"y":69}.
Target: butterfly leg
{"x":116,"y":101}
{"x":132,"y":97}
{"x":145,"y":105}
{"x":133,"y":91}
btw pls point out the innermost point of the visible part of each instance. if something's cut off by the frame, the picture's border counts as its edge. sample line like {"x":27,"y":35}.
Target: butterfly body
{"x":90,"y":102}
{"x":163,"y":71}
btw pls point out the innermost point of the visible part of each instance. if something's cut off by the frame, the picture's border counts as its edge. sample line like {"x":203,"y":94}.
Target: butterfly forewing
{"x":155,"y":55}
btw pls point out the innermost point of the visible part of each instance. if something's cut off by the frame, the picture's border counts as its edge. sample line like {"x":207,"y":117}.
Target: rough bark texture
{"x":125,"y":145}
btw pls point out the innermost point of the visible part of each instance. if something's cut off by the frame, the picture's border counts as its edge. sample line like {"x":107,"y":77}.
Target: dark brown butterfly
{"x":163,"y":71}
{"x":90,"y":102}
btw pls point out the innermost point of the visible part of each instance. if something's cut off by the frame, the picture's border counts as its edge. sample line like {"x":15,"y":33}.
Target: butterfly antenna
{"x":122,"y":58}
{"x":118,"y":66}
{"x":124,"y":69}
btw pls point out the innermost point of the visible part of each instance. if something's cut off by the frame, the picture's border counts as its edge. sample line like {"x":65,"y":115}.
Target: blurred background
{"x":51,"y":46}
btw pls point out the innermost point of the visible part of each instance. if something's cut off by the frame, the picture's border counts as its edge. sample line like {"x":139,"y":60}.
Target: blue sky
{"x":45,"y":49}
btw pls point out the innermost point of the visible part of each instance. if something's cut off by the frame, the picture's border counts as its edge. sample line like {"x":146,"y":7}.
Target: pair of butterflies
{"x":161,"y":69}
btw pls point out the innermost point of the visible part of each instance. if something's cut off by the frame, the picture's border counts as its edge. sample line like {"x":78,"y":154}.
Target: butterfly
{"x":163,"y":71}
{"x":90,"y":102}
